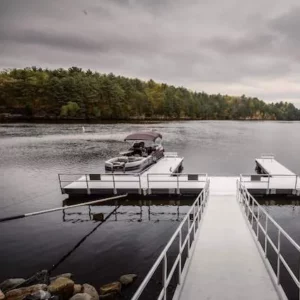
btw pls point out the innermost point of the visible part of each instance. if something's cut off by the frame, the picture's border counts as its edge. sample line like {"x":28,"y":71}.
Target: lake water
{"x":31,"y":156}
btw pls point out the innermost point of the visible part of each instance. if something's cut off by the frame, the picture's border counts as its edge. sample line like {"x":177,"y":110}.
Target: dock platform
{"x":225,"y":263}
{"x":161,"y":178}
{"x":273,"y":178}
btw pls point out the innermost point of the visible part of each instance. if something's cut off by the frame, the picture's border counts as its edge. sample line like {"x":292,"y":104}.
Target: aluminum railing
{"x":175,"y":180}
{"x":255,"y":212}
{"x":144,"y":183}
{"x":196,"y":210}
{"x":88,"y":179}
{"x":280,"y":181}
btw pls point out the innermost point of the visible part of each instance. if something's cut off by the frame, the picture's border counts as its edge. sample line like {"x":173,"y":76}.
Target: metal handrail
{"x":196,"y":210}
{"x":269,"y":177}
{"x":249,"y":202}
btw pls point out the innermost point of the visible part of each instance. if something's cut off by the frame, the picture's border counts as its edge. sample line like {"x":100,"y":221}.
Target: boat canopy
{"x":145,"y":136}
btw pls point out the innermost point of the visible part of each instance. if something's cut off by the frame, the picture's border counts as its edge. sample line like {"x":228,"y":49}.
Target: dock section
{"x":225,"y":263}
{"x":272,"y":178}
{"x":160,"y":178}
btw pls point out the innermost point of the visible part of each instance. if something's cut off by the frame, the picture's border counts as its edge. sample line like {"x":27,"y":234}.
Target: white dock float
{"x":226,"y":263}
{"x":275,"y":178}
{"x":160,"y":178}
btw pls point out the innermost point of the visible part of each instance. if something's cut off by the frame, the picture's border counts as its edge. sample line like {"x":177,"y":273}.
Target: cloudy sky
{"x":231,"y":47}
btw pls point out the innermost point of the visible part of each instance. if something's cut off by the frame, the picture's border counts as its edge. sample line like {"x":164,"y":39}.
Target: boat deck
{"x":271,"y":166}
{"x":225,"y":263}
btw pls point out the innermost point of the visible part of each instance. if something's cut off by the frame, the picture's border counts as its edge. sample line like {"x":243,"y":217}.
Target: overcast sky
{"x":230,"y":47}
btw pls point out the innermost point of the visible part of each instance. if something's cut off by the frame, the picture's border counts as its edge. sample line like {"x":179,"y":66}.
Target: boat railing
{"x":193,"y":218}
{"x":267,"y":180}
{"x":175,"y":181}
{"x":170,"y":154}
{"x":262,"y":226}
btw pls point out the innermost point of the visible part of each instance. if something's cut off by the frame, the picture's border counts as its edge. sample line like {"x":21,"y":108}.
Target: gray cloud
{"x":232,"y":47}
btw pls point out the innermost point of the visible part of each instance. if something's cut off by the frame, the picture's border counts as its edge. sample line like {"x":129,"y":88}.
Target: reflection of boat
{"x":145,"y":151}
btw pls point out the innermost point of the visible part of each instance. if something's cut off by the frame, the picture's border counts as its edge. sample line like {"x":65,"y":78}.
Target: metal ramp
{"x":226,"y":263}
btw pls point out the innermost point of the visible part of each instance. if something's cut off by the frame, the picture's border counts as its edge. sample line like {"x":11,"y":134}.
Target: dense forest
{"x":35,"y":93}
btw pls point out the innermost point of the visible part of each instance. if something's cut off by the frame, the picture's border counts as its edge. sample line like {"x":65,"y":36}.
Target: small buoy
{"x":83,"y":129}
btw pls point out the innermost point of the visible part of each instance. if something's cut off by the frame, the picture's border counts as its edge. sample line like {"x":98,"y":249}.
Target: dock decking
{"x":226,"y":263}
{"x":160,"y":178}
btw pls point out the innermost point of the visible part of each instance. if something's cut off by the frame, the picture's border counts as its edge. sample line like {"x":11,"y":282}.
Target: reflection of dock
{"x":161,"y":178}
{"x":131,"y":211}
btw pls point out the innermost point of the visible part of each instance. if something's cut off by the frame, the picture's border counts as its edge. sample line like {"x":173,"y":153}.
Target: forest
{"x":43,"y":94}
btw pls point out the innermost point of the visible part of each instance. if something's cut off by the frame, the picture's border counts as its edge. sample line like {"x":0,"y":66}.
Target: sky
{"x":230,"y":47}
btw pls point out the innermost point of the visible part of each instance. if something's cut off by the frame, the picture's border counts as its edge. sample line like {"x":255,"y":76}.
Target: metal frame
{"x":248,"y":203}
{"x":134,"y":177}
{"x":243,"y":179}
{"x":196,"y":210}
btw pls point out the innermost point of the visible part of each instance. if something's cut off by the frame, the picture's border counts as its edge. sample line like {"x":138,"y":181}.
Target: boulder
{"x":81,"y":296}
{"x":127,"y":278}
{"x":77,"y":289}
{"x":114,"y":287}
{"x":62,"y":286}
{"x":10,"y":283}
{"x":41,"y":295}
{"x":109,"y":296}
{"x":2,"y":296}
{"x":21,"y":293}
{"x":41,"y":277}
{"x":65,"y":275}
{"x":89,"y":289}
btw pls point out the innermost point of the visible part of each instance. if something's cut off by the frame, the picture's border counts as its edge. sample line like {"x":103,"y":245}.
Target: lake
{"x":31,"y":156}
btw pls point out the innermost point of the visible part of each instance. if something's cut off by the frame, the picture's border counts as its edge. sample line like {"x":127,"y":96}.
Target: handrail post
{"x":188,"y":233}
{"x":140,"y":184}
{"x":252,"y":219}
{"x":278,"y":256}
{"x":177,"y":184}
{"x":87,"y":184}
{"x":268,"y":189}
{"x":266,"y":236}
{"x":296,"y":183}
{"x":164,"y":276}
{"x":194,"y":221}
{"x":148,"y":185}
{"x":257,"y":222}
{"x":59,"y":182}
{"x":114,"y":183}
{"x":179,"y":263}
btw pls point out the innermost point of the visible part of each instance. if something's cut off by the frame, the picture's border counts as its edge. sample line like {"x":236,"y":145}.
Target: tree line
{"x":36,"y":93}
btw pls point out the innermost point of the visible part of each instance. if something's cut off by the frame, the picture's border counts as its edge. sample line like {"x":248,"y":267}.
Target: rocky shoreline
{"x":43,"y":287}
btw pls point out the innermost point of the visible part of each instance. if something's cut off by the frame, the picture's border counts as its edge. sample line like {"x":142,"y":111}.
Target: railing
{"x":196,"y":211}
{"x":175,"y":181}
{"x":140,"y":182}
{"x":267,"y":156}
{"x":276,"y":179}
{"x":170,"y":154}
{"x":255,"y":212}
{"x":87,"y":181}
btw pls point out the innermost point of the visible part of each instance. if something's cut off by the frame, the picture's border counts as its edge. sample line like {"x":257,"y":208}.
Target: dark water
{"x":31,"y":156}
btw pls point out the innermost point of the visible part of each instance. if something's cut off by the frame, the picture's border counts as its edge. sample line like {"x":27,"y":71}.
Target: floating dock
{"x":163,"y":178}
{"x":274,"y":178}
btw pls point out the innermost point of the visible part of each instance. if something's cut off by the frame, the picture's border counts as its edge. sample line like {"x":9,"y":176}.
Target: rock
{"x":2,"y":296}
{"x":77,"y":289}
{"x":21,"y":293}
{"x":81,"y":296}
{"x":127,"y":279}
{"x":10,"y":283}
{"x":64,"y":275}
{"x":89,"y":289}
{"x":109,"y":296}
{"x":62,"y":286}
{"x":41,"y":277}
{"x":42,"y":295}
{"x":114,"y":287}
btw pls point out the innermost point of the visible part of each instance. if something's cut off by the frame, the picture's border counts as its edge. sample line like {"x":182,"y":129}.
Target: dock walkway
{"x":226,"y":263}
